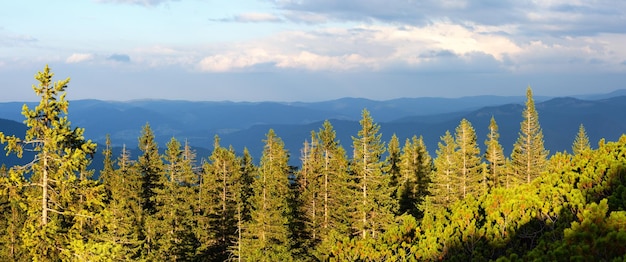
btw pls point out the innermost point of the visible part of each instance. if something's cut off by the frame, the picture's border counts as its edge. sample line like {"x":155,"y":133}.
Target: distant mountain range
{"x":244,"y":124}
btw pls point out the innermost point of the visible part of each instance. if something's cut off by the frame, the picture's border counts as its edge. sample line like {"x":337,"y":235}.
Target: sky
{"x":312,"y":50}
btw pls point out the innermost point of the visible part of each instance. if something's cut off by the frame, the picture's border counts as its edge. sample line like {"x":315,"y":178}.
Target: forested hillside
{"x":374,"y":200}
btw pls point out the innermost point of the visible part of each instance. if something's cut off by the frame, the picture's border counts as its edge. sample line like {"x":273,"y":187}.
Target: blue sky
{"x":312,"y":50}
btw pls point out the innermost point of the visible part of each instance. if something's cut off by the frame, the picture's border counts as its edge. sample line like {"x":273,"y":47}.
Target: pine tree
{"x":494,"y":155}
{"x":529,"y":157}
{"x":61,"y":203}
{"x":416,"y":167}
{"x":581,"y":142}
{"x":373,"y":199}
{"x":469,"y":176}
{"x":443,"y":191}
{"x":267,"y":236}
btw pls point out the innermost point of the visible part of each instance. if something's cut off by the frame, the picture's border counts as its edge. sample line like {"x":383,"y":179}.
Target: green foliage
{"x":12,"y":215}
{"x":407,"y":207}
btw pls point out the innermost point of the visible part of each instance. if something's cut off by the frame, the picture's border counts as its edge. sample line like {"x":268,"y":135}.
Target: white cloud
{"x":79,"y":57}
{"x":366,"y":47}
{"x":256,"y":18}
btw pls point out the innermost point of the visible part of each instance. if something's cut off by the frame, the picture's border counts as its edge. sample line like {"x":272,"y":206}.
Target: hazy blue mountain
{"x":244,"y":124}
{"x":559,"y":119}
{"x":199,"y":121}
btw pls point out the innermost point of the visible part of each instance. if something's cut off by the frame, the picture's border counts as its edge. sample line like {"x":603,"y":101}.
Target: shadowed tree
{"x":416,"y":167}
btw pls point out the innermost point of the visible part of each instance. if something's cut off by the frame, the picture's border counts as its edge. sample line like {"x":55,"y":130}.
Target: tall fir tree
{"x":392,"y":169}
{"x":149,"y":166}
{"x":469,"y":177}
{"x":529,"y":157}
{"x":443,"y":191}
{"x":222,"y":177}
{"x":581,"y":142}
{"x":172,"y":221}
{"x":416,"y":167}
{"x":310,"y":190}
{"x":106,"y":174}
{"x":323,"y":182}
{"x":334,"y":181}
{"x":373,"y":202}
{"x":63,"y":207}
{"x":248,"y":172}
{"x":267,"y":236}
{"x":494,"y":156}
{"x":124,"y":187}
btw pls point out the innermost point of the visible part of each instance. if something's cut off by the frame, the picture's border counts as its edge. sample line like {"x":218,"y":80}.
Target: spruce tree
{"x":172,"y":222}
{"x":443,"y":191}
{"x":107,"y":166}
{"x":334,"y":182}
{"x":469,"y":177}
{"x":529,"y":157}
{"x":494,"y":156}
{"x":223,"y":205}
{"x":392,"y":169}
{"x":373,"y":203}
{"x":323,"y":193}
{"x":124,"y":184}
{"x":150,"y":169}
{"x":248,"y":172}
{"x":416,"y":167}
{"x":60,"y":202}
{"x":12,"y":215}
{"x":581,"y":142}
{"x":310,"y":183}
{"x":267,"y":236}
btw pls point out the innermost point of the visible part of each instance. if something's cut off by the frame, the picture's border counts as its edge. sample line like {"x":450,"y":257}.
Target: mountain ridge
{"x":243,"y":124}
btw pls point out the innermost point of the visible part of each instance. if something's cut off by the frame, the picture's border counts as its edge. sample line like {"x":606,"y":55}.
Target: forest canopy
{"x":376,"y":201}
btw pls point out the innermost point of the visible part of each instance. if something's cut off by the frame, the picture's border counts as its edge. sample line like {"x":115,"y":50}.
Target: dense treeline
{"x":377,"y":201}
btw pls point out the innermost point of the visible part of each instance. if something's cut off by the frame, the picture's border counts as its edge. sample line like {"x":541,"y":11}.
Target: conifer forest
{"x":372,"y":201}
